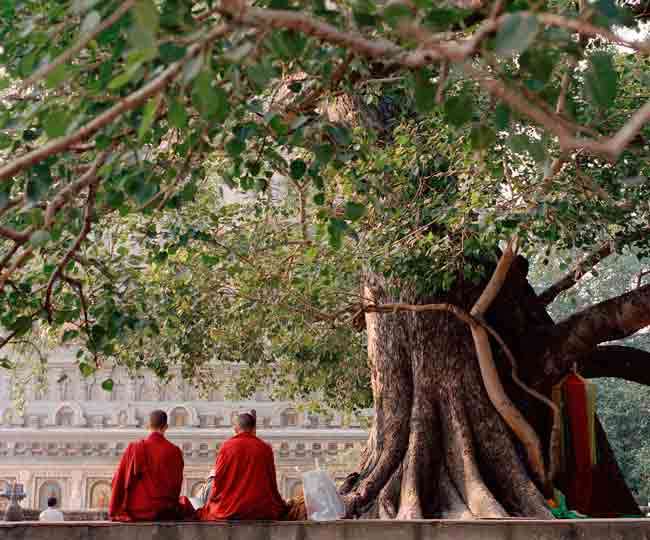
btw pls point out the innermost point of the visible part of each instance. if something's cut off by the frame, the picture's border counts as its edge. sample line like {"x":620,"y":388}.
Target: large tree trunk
{"x":438,"y":447}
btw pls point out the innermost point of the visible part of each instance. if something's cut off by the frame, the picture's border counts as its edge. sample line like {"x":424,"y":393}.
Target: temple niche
{"x":100,"y":495}
{"x":50,"y":488}
{"x":65,"y":417}
{"x":179,"y":418}
{"x":289,"y":418}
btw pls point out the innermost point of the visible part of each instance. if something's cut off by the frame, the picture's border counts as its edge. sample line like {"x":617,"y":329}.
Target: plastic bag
{"x":322,"y":500}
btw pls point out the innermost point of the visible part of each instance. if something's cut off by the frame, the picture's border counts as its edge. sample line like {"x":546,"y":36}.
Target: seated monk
{"x":244,"y":485}
{"x":147,"y":484}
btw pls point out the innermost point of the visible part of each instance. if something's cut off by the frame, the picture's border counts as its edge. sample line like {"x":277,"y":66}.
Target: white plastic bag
{"x":321,"y":497}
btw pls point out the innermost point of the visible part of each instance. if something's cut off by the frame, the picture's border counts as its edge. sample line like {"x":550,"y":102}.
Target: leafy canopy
{"x":404,"y":138}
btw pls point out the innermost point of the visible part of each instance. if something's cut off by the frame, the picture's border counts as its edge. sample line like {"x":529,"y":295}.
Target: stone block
{"x":324,"y":530}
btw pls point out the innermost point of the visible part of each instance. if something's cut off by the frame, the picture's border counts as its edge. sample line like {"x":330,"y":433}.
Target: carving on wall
{"x":78,"y":419}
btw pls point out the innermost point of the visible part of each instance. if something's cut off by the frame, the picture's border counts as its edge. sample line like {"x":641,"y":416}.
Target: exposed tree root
{"x":388,"y":501}
{"x":461,"y":462}
{"x":451,"y":505}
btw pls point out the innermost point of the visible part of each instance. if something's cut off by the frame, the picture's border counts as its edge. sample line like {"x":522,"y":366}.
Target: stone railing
{"x":587,"y":529}
{"x":69,"y":515}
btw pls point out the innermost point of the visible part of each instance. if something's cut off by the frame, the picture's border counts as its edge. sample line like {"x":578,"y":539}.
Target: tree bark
{"x":617,"y":361}
{"x":438,"y":447}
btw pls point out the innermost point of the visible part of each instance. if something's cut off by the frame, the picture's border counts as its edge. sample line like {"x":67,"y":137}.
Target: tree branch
{"x":433,"y":50}
{"x":130,"y":102}
{"x":80,"y":44}
{"x":73,"y":189}
{"x":617,"y":361}
{"x":578,"y":336}
{"x":22,"y":259}
{"x":585,"y":265}
{"x":88,"y":218}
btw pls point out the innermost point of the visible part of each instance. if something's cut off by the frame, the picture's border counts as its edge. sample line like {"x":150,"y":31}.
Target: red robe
{"x":148,"y":481}
{"x":244,"y":486}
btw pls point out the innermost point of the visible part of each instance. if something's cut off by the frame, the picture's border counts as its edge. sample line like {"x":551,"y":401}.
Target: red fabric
{"x":148,"y":481}
{"x":580,"y":474}
{"x":244,"y":486}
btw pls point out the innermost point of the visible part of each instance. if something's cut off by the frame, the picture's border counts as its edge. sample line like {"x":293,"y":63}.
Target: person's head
{"x":246,"y":423}
{"x":158,"y":421}
{"x":52,"y":502}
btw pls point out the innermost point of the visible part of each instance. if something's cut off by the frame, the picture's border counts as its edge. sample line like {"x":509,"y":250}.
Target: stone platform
{"x":592,"y":529}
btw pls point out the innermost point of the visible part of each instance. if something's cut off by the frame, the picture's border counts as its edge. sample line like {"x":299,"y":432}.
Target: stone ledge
{"x":592,"y":529}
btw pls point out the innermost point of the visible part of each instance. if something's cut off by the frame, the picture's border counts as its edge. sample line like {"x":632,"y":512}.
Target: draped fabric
{"x":588,"y":472}
{"x":580,"y":480}
{"x":148,"y":481}
{"x":245,"y":485}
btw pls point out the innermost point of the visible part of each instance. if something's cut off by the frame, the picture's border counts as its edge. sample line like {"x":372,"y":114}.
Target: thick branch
{"x":617,"y":361}
{"x":585,"y":265}
{"x":578,"y":336}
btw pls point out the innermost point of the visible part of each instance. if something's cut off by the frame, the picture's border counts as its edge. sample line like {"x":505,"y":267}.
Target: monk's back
{"x":245,"y":484}
{"x":158,"y":486}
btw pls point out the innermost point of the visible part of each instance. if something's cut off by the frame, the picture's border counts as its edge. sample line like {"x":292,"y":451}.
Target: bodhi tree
{"x":404,"y":159}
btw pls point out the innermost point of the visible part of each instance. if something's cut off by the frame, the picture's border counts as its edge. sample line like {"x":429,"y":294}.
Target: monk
{"x":148,"y":481}
{"x":244,"y":485}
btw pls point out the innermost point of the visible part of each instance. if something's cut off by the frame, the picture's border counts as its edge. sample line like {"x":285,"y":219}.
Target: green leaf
{"x":147,"y":16}
{"x":125,"y":77}
{"x":107,"y":385}
{"x":235,"y":147}
{"x":176,"y":114}
{"x":261,"y":74}
{"x":502,"y":116}
{"x":56,"y":76}
{"x":354,"y":210}
{"x":211,"y":102}
{"x":335,"y":230}
{"x":86,"y":369}
{"x":91,"y":20}
{"x":21,"y":326}
{"x":68,"y":335}
{"x":40,"y":238}
{"x":523,"y":144}
{"x":516,"y":34}
{"x":297,"y":169}
{"x":324,"y":153}
{"x":39,"y":182}
{"x":395,"y":13}
{"x":148,"y":116}
{"x":425,"y":92}
{"x":601,"y":80}
{"x":363,"y":18}
{"x":6,"y":363}
{"x":482,"y":137}
{"x":319,"y":199}
{"x":56,"y":123}
{"x":458,"y":109}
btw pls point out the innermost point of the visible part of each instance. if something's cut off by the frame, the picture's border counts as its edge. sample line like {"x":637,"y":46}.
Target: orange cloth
{"x":244,"y":486}
{"x":148,"y":481}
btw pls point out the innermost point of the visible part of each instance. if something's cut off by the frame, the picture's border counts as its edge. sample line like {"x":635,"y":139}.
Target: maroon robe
{"x":148,"y":481}
{"x":244,"y":486}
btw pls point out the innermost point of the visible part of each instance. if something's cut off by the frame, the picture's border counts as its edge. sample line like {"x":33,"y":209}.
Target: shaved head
{"x":158,"y":420}
{"x":246,"y":421}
